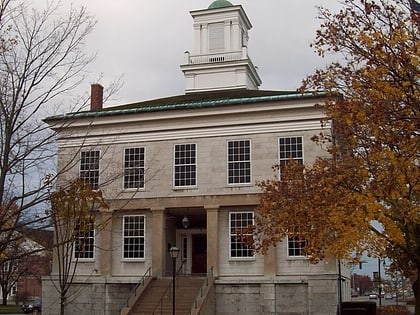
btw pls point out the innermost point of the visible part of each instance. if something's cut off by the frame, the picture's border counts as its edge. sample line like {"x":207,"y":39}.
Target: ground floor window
{"x":133,"y":236}
{"x":239,"y":223}
{"x":84,"y":247}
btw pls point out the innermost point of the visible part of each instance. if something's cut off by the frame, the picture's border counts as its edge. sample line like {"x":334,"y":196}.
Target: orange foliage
{"x":365,"y":196}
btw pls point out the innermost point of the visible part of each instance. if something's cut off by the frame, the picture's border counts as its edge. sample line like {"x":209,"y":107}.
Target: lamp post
{"x":173,"y":251}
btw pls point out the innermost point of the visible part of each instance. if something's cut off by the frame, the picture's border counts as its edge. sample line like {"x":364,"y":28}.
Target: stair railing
{"x":166,"y":294}
{"x":132,"y":297}
{"x":201,"y":295}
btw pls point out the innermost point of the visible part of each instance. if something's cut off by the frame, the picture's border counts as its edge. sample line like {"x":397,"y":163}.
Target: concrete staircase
{"x":186,"y":291}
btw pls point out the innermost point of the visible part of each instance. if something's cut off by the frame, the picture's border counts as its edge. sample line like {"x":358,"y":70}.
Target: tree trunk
{"x":416,"y":291}
{"x":4,"y":296}
{"x":62,"y":304}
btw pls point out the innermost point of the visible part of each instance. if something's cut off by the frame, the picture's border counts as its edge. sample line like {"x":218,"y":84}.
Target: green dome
{"x":220,"y":4}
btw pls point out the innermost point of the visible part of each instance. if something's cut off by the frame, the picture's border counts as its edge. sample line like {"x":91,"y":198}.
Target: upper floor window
{"x":9,"y":266}
{"x":84,"y":247}
{"x":89,"y":168}
{"x":239,"y":162}
{"x":133,"y":236}
{"x":134,"y":168}
{"x":185,"y":165}
{"x":295,"y":246}
{"x":290,"y":148}
{"x":239,"y":222}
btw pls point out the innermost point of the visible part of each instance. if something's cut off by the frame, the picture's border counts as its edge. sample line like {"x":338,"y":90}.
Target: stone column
{"x":270,"y":262}
{"x":158,"y":241}
{"x":105,"y":244}
{"x":213,"y":238}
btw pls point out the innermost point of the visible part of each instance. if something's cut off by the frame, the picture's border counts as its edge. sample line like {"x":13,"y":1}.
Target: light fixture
{"x":185,"y":222}
{"x":174,"y":251}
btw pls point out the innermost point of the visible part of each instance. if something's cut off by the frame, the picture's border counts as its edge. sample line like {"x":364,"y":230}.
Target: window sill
{"x":238,"y":185}
{"x":83,"y":260}
{"x":297,"y":258}
{"x":185,"y":188}
{"x":242,"y":259}
{"x":130,"y":190}
{"x":133,"y":260}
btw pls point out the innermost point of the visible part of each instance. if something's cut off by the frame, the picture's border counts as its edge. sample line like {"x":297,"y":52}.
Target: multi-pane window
{"x":89,"y":168}
{"x":239,"y":233}
{"x":133,"y":236}
{"x":185,"y":165}
{"x":9,"y":266}
{"x":295,"y":246}
{"x":290,"y":148}
{"x":134,"y":168}
{"x":239,"y":161}
{"x":13,"y":290}
{"x":84,"y":247}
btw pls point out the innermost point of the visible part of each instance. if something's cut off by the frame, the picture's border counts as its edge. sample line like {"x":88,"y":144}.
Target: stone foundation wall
{"x":87,"y":298}
{"x":229,"y":297}
{"x":314,"y":297}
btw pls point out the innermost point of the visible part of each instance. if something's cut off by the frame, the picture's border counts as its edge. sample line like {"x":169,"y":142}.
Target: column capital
{"x":212,"y":208}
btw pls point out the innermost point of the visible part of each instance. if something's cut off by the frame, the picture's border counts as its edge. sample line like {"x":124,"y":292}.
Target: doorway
{"x":194,"y":252}
{"x":198,"y":253}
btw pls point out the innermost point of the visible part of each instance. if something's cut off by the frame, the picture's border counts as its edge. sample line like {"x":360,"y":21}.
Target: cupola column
{"x":228,"y":31}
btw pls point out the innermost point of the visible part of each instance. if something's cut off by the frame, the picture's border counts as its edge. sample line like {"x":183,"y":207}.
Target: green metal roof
{"x":220,"y":4}
{"x":191,"y":102}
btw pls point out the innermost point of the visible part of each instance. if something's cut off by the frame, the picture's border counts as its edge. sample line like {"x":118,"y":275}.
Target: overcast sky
{"x":145,"y":42}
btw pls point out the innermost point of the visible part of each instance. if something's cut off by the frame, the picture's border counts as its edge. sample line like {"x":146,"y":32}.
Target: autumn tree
{"x":73,"y":215}
{"x":42,"y":59}
{"x":364,"y":195}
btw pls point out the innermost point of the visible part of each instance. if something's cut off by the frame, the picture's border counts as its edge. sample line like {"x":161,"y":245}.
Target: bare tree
{"x":42,"y":59}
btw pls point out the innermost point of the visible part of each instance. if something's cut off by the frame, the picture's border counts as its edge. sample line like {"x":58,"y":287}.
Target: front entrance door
{"x":199,"y":253}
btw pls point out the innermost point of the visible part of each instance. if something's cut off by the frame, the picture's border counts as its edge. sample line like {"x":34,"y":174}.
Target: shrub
{"x":392,"y":310}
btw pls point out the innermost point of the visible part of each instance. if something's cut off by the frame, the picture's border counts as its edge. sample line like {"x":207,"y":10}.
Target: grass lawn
{"x":11,"y":309}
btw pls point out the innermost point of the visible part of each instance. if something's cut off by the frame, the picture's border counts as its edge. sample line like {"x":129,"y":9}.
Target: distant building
{"x":24,"y":274}
{"x":181,"y":171}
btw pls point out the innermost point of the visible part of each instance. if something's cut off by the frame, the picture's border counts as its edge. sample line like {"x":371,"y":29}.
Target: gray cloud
{"x":145,"y":42}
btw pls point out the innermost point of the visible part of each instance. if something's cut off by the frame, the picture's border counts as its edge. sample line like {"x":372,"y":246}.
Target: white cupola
{"x":220,"y":59}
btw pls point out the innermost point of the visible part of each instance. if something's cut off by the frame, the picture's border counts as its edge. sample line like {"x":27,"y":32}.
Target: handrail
{"x":160,"y":302}
{"x":216,"y":57}
{"x":203,"y":290}
{"x":141,"y":282}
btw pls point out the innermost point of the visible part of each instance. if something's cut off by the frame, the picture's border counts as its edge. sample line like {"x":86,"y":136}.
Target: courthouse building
{"x":182,"y":171}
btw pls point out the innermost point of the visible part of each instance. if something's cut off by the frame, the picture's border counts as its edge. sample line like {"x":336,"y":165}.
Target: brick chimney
{"x":96,"y":97}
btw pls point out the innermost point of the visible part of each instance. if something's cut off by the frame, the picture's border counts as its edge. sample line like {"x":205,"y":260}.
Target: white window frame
{"x":297,"y":249}
{"x":85,"y":174}
{"x":241,"y":160}
{"x":283,"y":159}
{"x":88,"y":239}
{"x":235,"y":245}
{"x":181,"y":165}
{"x":14,"y":289}
{"x":141,"y":236}
{"x":137,"y":171}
